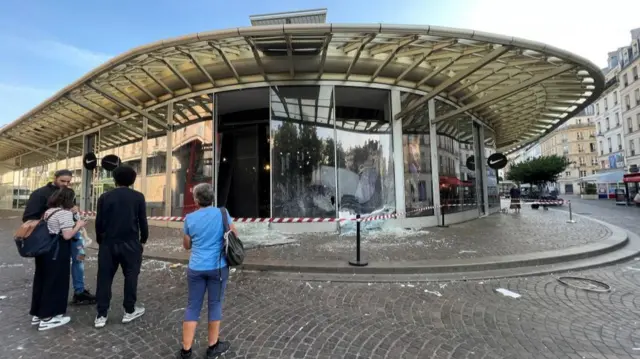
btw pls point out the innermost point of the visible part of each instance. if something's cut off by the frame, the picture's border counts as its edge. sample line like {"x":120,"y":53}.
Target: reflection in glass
{"x":303,"y":151}
{"x":191,"y":151}
{"x":492,"y":175}
{"x":457,"y":161}
{"x":364,"y":151}
{"x":243,"y":176}
{"x":418,"y":189}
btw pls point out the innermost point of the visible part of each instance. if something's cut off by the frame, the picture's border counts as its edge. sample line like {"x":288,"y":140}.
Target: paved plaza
{"x":267,"y":316}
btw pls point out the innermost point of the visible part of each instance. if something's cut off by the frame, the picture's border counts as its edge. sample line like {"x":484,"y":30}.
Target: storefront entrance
{"x":244,"y":169}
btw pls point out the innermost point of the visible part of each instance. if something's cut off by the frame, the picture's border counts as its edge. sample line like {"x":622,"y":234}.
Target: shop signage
{"x":89,"y":161}
{"x":471,"y":163}
{"x":110,"y":162}
{"x":497,"y":161}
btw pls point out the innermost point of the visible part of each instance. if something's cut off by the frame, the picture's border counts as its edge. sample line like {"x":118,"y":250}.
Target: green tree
{"x":329,"y":153}
{"x":538,"y":171}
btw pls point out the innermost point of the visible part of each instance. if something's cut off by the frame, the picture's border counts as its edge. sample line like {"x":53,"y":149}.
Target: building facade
{"x":575,"y":140}
{"x":629,"y":84}
{"x":609,"y":130}
{"x":297,"y":120}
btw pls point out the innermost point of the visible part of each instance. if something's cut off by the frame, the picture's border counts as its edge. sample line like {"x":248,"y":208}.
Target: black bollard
{"x":443,"y":225}
{"x":358,"y":262}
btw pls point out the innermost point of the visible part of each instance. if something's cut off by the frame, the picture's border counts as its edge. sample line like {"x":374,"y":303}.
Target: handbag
{"x":233,"y":247}
{"x":33,"y":238}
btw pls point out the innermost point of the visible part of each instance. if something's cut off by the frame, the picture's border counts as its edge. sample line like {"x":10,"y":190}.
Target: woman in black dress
{"x":51,"y":278}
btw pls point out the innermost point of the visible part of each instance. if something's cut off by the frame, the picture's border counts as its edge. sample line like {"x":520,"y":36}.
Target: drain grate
{"x":587,"y":284}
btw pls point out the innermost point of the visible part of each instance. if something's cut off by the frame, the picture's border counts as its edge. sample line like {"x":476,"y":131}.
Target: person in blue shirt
{"x":207,"y":272}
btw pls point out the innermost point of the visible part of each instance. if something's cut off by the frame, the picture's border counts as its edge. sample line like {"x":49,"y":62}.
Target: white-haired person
{"x":207,"y":271}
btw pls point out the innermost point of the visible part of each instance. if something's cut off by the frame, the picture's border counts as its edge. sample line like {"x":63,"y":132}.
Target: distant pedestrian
{"x":514,"y":193}
{"x":121,"y":232}
{"x":208,"y":270}
{"x":51,"y":279}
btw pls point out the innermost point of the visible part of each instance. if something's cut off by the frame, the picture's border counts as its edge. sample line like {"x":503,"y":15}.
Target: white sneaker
{"x":100,"y":322}
{"x":128,"y":317}
{"x":54,"y":322}
{"x":35,"y":320}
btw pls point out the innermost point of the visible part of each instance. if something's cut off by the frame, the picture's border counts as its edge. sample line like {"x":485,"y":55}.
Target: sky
{"x":46,"y":45}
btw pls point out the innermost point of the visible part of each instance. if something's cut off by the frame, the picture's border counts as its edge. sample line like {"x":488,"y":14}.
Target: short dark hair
{"x":63,"y":172}
{"x":64,"y":197}
{"x":124,"y":175}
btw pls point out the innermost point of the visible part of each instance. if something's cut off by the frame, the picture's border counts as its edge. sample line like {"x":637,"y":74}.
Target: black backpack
{"x":33,"y":238}
{"x":232,"y":246}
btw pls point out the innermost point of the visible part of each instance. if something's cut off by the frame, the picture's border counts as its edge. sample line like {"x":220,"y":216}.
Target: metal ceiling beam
{"x":157,"y":80}
{"x":256,"y":56}
{"x":360,"y":46}
{"x":323,"y":57}
{"x":127,"y":105}
{"x":226,"y":61}
{"x":141,"y":87}
{"x":422,"y":58}
{"x":436,"y":71}
{"x":393,"y":54}
{"x":178,"y":74}
{"x":475,"y":81}
{"x":105,"y":115}
{"x":481,"y":90}
{"x":511,"y":90}
{"x":491,"y":56}
{"x":290,"y":54}
{"x":200,"y":67}
{"x":135,"y":100}
{"x":418,"y":50}
{"x":34,"y":147}
{"x":512,"y":102}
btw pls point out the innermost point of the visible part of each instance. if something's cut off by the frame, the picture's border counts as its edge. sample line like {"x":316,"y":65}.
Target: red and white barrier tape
{"x":303,"y":219}
{"x":543,"y":202}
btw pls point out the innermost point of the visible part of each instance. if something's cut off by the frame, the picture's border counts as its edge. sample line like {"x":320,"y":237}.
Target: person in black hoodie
{"x":121,"y":232}
{"x":35,"y":208}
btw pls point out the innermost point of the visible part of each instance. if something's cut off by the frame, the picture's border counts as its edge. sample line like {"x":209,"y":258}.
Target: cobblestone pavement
{"x":270,"y":317}
{"x":495,"y":235}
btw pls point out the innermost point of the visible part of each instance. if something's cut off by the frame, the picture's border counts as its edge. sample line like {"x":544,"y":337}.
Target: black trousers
{"x":51,"y":283}
{"x":128,"y":255}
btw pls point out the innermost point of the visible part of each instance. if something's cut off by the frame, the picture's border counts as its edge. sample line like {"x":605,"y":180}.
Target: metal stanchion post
{"x":443,"y":225}
{"x":570,"y":214}
{"x":358,"y":262}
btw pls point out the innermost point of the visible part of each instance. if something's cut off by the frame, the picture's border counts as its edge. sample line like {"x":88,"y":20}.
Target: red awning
{"x":631,"y":177}
{"x":452,"y":181}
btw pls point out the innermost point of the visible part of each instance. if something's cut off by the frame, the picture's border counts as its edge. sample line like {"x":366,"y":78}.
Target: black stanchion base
{"x":442,"y":226}
{"x":358,"y":263}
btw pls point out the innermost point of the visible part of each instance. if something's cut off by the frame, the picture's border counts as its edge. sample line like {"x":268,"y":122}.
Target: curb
{"x":451,"y":269}
{"x":618,"y":239}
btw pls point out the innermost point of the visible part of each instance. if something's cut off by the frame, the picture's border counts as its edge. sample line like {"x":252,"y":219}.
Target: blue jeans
{"x":214,"y":283}
{"x":77,"y":263}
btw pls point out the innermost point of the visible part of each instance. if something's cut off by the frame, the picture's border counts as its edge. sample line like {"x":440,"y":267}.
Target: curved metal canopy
{"x":521,"y":89}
